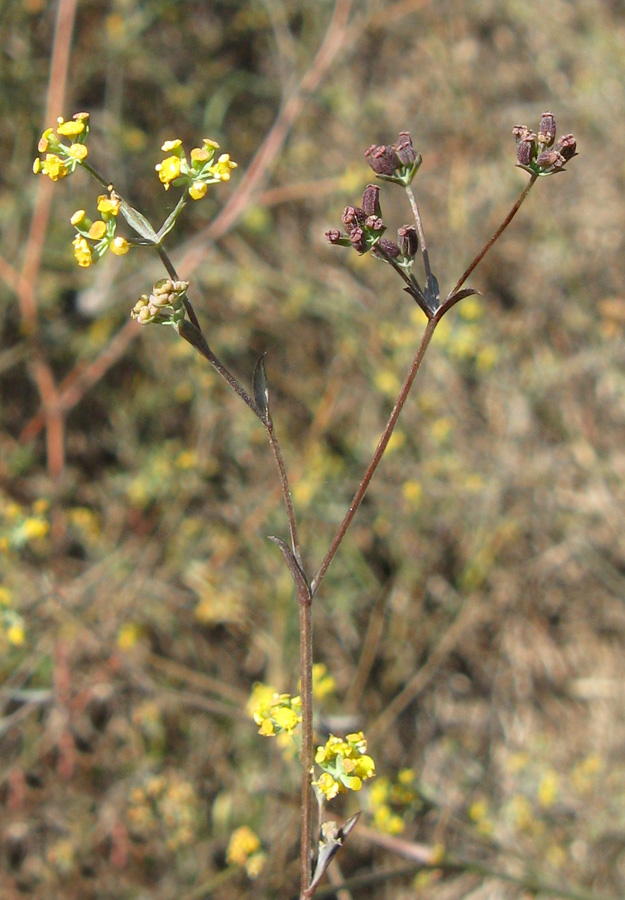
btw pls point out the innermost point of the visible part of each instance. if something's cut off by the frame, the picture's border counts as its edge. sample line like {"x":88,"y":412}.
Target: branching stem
{"x":377,"y":456}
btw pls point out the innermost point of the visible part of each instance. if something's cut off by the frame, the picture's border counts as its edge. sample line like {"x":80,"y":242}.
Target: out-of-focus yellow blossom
{"x":16,"y":634}
{"x":255,"y":864}
{"x":286,"y":719}
{"x":323,"y":683}
{"x":128,"y":635}
{"x":274,"y":713}
{"x":35,"y":528}
{"x":243,"y":843}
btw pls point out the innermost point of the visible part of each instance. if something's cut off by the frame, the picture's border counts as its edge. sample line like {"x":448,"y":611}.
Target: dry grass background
{"x":483,"y":582}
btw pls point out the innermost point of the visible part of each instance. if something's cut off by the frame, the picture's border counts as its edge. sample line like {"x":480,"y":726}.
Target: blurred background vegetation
{"x":473,"y":620}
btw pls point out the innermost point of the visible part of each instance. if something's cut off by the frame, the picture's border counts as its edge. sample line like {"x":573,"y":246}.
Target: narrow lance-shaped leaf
{"x":297,"y":573}
{"x":452,"y":299}
{"x":432,"y":293}
{"x":138,"y":222}
{"x":331,"y":841}
{"x":261,"y":392}
{"x":170,"y":221}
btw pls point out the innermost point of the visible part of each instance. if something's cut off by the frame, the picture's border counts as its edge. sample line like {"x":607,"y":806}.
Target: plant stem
{"x":420,"y":232}
{"x":194,"y":336}
{"x":379,"y":452}
{"x":306,"y":664}
{"x":480,"y":256}
{"x":286,"y":489}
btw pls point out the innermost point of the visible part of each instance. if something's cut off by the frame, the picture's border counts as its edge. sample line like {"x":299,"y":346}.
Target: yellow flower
{"x":44,"y":140}
{"x":70,"y":129}
{"x":198,"y":190}
{"x":364,"y":767}
{"x":171,"y":145}
{"x":108,"y":204}
{"x":82,"y":252}
{"x":222,"y":167}
{"x":260,"y":699}
{"x":286,"y":719}
{"x":35,"y":528}
{"x":53,"y":166}
{"x":243,"y":844}
{"x":119,"y":246}
{"x":97,"y":230}
{"x":77,"y":151}
{"x":168,"y":170}
{"x":200,"y":155}
{"x":128,"y":635}
{"x":78,"y":217}
{"x":15,"y":634}
{"x":327,"y":785}
{"x":254,"y":865}
{"x":323,"y":683}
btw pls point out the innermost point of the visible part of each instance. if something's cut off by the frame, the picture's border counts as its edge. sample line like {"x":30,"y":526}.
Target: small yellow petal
{"x":97,"y":230}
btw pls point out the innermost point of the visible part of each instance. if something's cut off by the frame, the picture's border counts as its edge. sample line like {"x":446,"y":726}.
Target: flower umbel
{"x":93,"y":239}
{"x":196,"y":175}
{"x":63,"y":158}
{"x":345,"y":764}
{"x":538,"y":152}
{"x":165,"y":305}
{"x":395,"y":162}
{"x":274,"y":713}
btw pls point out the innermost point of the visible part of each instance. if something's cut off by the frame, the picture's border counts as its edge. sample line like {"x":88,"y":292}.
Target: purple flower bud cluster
{"x":364,"y":228}
{"x":392,"y":159}
{"x":539,"y":153}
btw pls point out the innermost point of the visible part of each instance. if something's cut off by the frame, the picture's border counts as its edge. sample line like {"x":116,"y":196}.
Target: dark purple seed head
{"x":371,"y":200}
{"x":404,"y":149}
{"x":383,"y":160}
{"x":408,"y":241}
{"x":547,"y":129}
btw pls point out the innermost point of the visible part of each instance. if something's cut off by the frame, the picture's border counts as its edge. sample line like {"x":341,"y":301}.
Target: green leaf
{"x":261,"y":392}
{"x":138,"y":223}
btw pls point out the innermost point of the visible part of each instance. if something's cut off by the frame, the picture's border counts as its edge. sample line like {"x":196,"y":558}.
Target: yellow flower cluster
{"x":324,"y":684}
{"x":165,"y":803}
{"x":63,"y":158}
{"x":393,"y":802}
{"x":274,"y":713}
{"x":12,"y":628}
{"x":345,"y":764}
{"x":244,"y":849}
{"x":196,"y":175}
{"x":20,"y":526}
{"x":93,"y":239}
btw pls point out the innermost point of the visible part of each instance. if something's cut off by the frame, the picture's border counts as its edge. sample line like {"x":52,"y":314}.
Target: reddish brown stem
{"x":377,"y":456}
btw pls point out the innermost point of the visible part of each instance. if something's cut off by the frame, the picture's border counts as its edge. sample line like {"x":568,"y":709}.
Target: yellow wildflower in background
{"x":128,"y":635}
{"x":243,"y":843}
{"x":323,"y":683}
